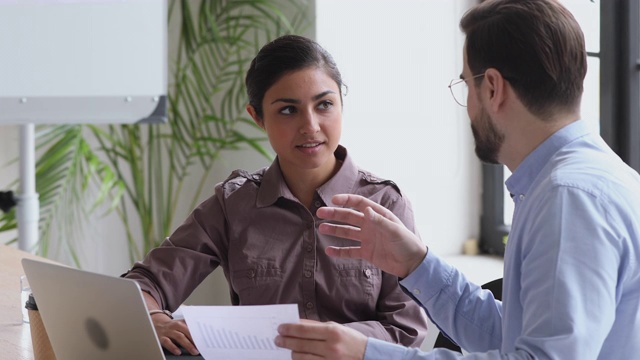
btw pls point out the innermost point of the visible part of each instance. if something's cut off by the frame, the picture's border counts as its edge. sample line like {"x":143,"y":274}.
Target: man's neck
{"x":527,"y":134}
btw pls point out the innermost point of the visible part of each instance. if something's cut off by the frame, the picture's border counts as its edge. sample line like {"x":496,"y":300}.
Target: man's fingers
{"x":352,"y":201}
{"x":352,"y":231}
{"x":353,"y":210}
{"x":306,"y":330}
{"x":306,"y":339}
{"x":315,"y":340}
{"x":359,"y":203}
{"x":301,"y":349}
{"x":343,"y":231}
{"x":344,"y":252}
{"x":346,"y":216}
{"x":386,"y":220}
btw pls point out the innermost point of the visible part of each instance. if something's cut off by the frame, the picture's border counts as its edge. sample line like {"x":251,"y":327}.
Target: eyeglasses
{"x":460,"y":93}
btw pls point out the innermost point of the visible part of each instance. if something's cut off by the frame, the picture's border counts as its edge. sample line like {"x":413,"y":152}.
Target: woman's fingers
{"x":176,"y":333}
{"x":169,"y":345}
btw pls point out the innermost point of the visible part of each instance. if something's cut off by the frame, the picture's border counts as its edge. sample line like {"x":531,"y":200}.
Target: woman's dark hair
{"x":283,"y":55}
{"x":537,"y":45}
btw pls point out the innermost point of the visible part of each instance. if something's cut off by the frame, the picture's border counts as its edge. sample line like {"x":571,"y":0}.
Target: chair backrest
{"x":442,"y":341}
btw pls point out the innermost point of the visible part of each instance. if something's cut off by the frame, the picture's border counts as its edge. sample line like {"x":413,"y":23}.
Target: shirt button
{"x":416,"y":291}
{"x":251,"y":274}
{"x":367,"y":273}
{"x":307,"y":274}
{"x":309,"y":305}
{"x":521,"y":197}
{"x":318,"y":204}
{"x":309,"y":248}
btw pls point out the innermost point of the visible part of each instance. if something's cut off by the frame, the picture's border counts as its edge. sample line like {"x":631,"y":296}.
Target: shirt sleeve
{"x":380,"y":350}
{"x":173,"y":270}
{"x":568,"y":266}
{"x":460,"y":309}
{"x":433,"y":284}
{"x":569,"y":270}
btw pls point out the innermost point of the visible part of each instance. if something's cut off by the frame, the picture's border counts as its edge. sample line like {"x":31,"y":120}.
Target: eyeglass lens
{"x":459,"y":90}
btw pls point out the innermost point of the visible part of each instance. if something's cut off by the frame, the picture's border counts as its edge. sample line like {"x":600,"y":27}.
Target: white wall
{"x":400,"y":121}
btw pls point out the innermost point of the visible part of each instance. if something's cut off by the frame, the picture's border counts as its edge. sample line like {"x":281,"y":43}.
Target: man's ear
{"x":495,"y":89}
{"x":254,"y":115}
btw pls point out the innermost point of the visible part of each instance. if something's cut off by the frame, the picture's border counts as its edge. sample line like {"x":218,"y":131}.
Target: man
{"x":572,"y":269}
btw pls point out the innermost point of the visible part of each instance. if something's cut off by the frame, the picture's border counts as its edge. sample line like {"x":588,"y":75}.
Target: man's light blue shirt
{"x":572,"y":265}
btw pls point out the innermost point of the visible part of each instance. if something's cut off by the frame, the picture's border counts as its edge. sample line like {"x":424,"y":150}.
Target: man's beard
{"x":488,"y":139}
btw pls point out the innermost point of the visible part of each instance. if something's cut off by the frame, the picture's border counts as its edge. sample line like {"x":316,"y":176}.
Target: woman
{"x":261,"y":227}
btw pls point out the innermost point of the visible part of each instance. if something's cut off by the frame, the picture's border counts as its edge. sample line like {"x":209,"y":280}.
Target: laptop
{"x":93,"y":316}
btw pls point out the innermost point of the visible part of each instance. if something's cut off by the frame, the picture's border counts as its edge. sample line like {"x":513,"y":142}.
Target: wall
{"x":400,"y":121}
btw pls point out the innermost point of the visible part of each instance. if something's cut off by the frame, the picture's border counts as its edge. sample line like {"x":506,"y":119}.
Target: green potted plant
{"x":140,"y":171}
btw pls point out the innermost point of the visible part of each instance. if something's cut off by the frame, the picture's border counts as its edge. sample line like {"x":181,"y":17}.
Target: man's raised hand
{"x":384,"y":240}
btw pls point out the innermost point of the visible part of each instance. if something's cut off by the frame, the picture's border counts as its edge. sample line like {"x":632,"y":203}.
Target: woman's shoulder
{"x":368,"y":179}
{"x":240,"y":178}
{"x":386,"y":193}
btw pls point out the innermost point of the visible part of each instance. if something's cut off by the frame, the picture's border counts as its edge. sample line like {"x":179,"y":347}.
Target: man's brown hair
{"x":537,"y":46}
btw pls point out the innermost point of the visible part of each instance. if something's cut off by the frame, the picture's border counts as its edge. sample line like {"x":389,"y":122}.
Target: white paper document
{"x":239,"y":332}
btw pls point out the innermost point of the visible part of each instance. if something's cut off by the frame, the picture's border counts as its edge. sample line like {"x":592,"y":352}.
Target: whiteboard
{"x":83,"y":61}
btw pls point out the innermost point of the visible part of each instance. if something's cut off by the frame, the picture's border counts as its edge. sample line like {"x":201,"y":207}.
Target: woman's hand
{"x":171,"y":332}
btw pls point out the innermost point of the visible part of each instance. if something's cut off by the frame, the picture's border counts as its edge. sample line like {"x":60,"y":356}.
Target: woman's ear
{"x":254,"y":115}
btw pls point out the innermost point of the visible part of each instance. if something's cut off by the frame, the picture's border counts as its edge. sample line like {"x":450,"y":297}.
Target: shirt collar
{"x":273,"y":185}
{"x":343,"y":181}
{"x":527,"y":172}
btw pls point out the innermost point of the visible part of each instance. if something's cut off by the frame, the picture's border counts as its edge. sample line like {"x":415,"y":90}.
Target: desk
{"x":15,"y":337}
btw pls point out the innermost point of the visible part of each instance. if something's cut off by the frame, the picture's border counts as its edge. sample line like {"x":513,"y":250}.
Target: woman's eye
{"x":287,"y":110}
{"x":325,"y":105}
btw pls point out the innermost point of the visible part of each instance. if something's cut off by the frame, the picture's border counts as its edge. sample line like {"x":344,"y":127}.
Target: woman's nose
{"x":310,"y":124}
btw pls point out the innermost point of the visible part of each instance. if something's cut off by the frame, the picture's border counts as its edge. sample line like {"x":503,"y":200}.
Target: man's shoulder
{"x":594,"y":169}
{"x":591,"y":175}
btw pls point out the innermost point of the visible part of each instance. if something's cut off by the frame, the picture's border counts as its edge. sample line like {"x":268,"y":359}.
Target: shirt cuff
{"x":382,"y":350}
{"x":429,"y":278}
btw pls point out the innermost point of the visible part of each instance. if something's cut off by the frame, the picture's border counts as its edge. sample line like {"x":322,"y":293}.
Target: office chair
{"x":442,"y":341}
